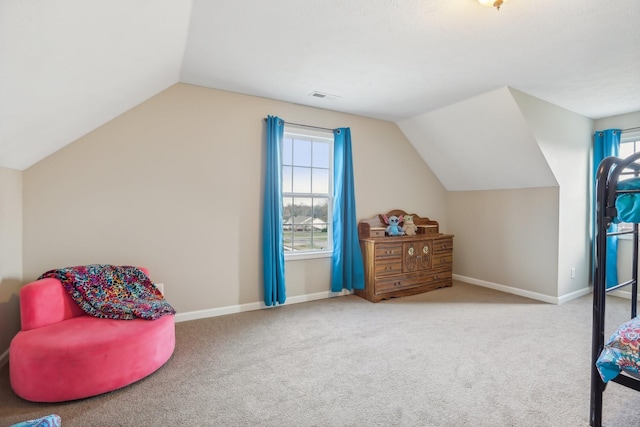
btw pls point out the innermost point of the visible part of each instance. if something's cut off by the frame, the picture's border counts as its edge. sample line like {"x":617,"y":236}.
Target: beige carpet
{"x":461,"y":356}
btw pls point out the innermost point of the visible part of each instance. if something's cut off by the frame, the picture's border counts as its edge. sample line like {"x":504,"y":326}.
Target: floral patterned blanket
{"x":112,"y":292}
{"x":621,"y":352}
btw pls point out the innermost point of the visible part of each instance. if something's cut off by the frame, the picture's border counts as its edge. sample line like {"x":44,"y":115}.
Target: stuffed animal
{"x":393,"y":227}
{"x":410,"y":228}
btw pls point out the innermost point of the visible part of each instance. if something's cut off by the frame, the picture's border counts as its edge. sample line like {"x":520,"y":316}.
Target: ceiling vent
{"x":321,"y":95}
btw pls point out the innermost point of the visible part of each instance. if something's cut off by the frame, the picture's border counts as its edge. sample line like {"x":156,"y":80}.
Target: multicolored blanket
{"x":112,"y":292}
{"x":621,"y":352}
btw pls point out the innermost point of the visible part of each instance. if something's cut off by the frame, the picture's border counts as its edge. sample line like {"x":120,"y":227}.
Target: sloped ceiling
{"x":68,"y":66}
{"x":495,"y":148}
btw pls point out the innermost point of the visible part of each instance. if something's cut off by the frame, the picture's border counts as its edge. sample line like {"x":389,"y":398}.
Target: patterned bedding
{"x":620,"y":353}
{"x":112,"y":292}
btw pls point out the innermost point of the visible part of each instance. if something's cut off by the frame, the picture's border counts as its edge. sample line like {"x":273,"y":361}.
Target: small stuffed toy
{"x":410,"y":228}
{"x":393,"y":229}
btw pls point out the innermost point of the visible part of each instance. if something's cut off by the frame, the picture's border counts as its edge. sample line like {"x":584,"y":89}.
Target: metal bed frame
{"x":609,"y":172}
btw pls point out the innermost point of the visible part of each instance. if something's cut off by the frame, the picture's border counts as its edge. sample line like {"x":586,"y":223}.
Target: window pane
{"x":320,"y":155}
{"x":301,"y":208}
{"x":301,"y":224}
{"x":287,"y":177}
{"x":301,"y":180}
{"x":287,"y":225}
{"x":626,"y":149}
{"x":320,"y":240}
{"x":320,"y":181}
{"x":302,"y":153}
{"x":287,"y":151}
{"x":287,"y":209}
{"x":320,"y":210}
{"x":319,"y":235}
{"x":287,"y":235}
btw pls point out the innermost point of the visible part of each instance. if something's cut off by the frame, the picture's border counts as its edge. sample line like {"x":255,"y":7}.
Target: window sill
{"x":296,"y":256}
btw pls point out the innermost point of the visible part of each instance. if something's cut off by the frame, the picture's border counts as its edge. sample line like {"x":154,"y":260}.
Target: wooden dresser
{"x":396,"y":266}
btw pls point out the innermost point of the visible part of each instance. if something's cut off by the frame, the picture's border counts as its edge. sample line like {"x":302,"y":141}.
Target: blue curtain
{"x":272,"y":241}
{"x":347,"y":270}
{"x":606,"y":143}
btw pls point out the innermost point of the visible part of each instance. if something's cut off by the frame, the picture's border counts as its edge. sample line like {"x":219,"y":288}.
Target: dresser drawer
{"x":388,"y":266}
{"x":386,"y":286}
{"x":442,"y":261}
{"x":440,"y":276}
{"x":442,"y":245}
{"x":388,"y":250}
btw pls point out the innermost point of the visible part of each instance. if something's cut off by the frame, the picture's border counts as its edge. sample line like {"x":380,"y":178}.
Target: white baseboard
{"x":221,"y":311}
{"x":623,"y":294}
{"x":523,"y":293}
{"x":576,"y":294}
{"x":4,"y":358}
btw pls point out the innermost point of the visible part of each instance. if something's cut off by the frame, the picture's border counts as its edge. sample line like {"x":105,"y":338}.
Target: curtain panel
{"x":347,"y":271}
{"x":606,"y":143}
{"x":272,"y":218}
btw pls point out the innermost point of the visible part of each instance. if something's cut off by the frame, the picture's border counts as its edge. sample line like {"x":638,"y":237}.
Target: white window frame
{"x":319,"y":135}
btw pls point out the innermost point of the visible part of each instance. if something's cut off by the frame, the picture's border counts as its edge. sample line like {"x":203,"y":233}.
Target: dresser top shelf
{"x":375,"y":227}
{"x":394,"y":239}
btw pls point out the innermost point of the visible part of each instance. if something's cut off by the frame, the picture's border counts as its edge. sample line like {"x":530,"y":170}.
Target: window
{"x":307,"y":175}
{"x":629,"y":144}
{"x":627,"y":148}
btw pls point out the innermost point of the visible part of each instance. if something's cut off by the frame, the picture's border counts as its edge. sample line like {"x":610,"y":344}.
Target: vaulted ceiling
{"x":69,"y":66}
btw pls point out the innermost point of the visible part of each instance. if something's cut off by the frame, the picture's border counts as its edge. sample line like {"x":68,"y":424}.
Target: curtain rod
{"x":305,"y":126}
{"x":619,"y":130}
{"x":318,"y":127}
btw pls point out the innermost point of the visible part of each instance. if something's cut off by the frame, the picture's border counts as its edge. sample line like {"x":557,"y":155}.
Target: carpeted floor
{"x":461,"y":356}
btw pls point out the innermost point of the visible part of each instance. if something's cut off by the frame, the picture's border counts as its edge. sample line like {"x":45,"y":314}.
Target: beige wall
{"x":622,"y":121}
{"x":565,"y":140}
{"x":10,"y":255}
{"x":535,"y":235}
{"x":507,"y":237}
{"x":175,"y":185}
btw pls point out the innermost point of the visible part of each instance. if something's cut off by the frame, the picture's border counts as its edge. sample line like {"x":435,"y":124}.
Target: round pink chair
{"x":63,"y":354}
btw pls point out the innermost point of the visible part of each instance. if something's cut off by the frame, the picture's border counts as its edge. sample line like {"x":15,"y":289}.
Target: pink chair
{"x":63,"y":354}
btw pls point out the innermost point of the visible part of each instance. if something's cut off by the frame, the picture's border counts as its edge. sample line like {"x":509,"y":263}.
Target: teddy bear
{"x":393,"y":229}
{"x":410,"y":228}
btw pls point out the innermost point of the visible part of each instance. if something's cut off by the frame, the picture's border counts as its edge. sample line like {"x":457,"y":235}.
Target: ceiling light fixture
{"x":494,"y":3}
